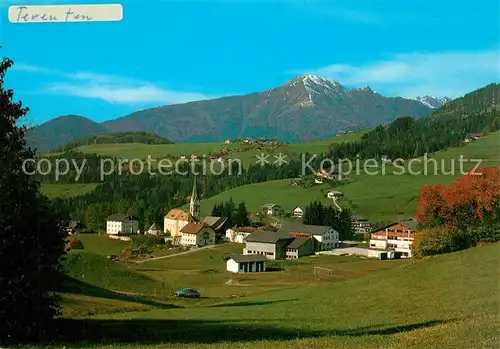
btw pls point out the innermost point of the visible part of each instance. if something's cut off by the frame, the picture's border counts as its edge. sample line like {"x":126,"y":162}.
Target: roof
{"x":267,"y":236}
{"x":215,"y":222}
{"x":242,"y":258}
{"x":303,"y":208}
{"x":303,"y":228}
{"x":244,"y":229}
{"x":154,"y":227}
{"x":269,"y":205}
{"x":118,"y":217}
{"x":297,"y":242}
{"x":180,"y":215}
{"x":410,"y":223}
{"x":194,"y":227}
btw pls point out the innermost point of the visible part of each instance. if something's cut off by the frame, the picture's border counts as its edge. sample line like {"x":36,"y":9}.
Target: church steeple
{"x":194,"y":205}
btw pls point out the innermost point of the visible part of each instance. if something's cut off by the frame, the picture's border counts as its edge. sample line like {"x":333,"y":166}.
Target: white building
{"x":334,"y":194}
{"x":237,"y":235}
{"x":120,"y":224}
{"x":299,"y":211}
{"x":197,"y":234}
{"x":154,"y":229}
{"x":396,"y":237}
{"x":250,"y":263}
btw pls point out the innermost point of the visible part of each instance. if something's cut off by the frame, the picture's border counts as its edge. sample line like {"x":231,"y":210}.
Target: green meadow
{"x":447,"y":301}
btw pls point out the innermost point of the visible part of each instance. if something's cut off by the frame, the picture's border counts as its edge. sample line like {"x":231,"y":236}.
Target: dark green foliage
{"x":112,"y":138}
{"x":32,"y":238}
{"x":77,"y":245}
{"x":240,"y":218}
{"x":318,"y":214}
{"x":147,"y":241}
{"x":434,"y":241}
{"x":236,"y":216}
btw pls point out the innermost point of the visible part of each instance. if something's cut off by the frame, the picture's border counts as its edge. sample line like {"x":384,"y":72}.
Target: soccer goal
{"x":322,"y":273}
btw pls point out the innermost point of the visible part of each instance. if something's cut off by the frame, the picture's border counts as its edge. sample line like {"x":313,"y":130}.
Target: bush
{"x":433,"y":241}
{"x":147,"y":241}
{"x":76,"y":245}
{"x":488,"y":231}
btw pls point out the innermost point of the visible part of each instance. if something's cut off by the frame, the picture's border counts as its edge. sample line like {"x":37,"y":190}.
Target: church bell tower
{"x":194,"y":205}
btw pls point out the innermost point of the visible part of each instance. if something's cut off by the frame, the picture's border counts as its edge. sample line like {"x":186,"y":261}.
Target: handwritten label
{"x":65,"y":13}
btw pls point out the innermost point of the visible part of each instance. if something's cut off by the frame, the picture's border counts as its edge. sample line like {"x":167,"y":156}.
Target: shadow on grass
{"x":200,"y":331}
{"x":246,"y":304}
{"x":75,"y":286}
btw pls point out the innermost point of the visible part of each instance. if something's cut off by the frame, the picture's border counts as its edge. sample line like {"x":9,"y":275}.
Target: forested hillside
{"x":407,"y":137}
{"x":480,"y":100}
{"x":144,"y":137}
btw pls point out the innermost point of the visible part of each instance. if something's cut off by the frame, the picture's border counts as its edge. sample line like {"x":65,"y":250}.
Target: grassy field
{"x":141,"y":151}
{"x":60,"y":190}
{"x":447,"y":301}
{"x":383,"y":196}
{"x":389,"y":194}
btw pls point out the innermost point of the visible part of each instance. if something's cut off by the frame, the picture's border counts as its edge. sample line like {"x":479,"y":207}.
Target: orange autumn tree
{"x":467,"y":201}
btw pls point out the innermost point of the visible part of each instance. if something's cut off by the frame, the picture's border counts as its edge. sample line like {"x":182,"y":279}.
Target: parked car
{"x":188,"y":293}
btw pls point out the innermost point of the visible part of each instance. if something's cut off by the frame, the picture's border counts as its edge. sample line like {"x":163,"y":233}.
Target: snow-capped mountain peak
{"x":431,"y":101}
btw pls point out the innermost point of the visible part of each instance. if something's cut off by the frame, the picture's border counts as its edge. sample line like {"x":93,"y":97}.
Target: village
{"x":290,"y":239}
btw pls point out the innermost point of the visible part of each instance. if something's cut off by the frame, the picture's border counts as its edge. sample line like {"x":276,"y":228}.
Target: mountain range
{"x":305,"y":108}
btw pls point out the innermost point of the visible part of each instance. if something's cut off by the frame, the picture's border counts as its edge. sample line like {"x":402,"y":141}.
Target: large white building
{"x":120,"y":224}
{"x":396,"y":237}
{"x":326,"y":237}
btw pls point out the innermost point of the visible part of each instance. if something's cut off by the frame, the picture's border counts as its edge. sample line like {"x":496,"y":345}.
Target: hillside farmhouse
{"x":299,"y":211}
{"x":176,"y":220}
{"x":333,"y":194}
{"x":246,"y":263}
{"x":395,"y":237}
{"x":473,"y":137}
{"x":120,"y":224}
{"x":271,"y":209}
{"x":197,"y":234}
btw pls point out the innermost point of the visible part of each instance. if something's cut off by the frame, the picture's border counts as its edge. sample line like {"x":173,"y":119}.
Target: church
{"x":188,"y":229}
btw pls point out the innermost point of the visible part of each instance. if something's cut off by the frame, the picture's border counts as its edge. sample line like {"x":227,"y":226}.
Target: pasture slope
{"x":381,"y":196}
{"x":446,"y":301}
{"x":387,"y":194}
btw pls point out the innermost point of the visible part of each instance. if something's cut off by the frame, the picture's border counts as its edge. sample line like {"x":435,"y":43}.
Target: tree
{"x":241,"y":216}
{"x":32,"y":238}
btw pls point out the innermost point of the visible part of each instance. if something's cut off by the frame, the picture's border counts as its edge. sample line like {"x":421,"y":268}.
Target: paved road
{"x":176,"y":254}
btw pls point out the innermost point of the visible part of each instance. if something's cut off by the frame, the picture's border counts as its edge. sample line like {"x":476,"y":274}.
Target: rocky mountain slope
{"x":304,"y":108}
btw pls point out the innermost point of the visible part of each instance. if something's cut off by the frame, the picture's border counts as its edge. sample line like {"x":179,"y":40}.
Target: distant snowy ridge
{"x":432,"y":102}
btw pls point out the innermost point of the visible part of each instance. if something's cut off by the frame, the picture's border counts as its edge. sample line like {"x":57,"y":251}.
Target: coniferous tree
{"x":241,"y":216}
{"x":32,"y":239}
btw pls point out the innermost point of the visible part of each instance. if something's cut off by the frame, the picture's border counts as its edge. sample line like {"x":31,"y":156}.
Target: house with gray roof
{"x":299,"y":247}
{"x":154,"y":229}
{"x":271,"y":244}
{"x":121,"y":224}
{"x":327,"y":238}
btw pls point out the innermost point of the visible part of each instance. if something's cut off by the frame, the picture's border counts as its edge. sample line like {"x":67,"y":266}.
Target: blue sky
{"x":167,"y":52}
